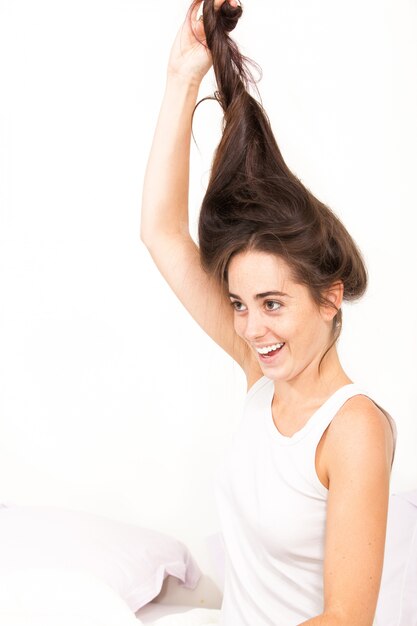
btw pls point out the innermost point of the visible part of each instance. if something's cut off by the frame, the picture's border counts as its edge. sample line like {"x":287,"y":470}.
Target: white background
{"x":112,"y":398}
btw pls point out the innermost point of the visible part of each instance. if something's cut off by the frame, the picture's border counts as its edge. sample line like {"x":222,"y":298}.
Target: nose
{"x":255,"y":327}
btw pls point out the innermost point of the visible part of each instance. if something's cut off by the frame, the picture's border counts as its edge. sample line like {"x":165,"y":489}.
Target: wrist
{"x":183,"y":80}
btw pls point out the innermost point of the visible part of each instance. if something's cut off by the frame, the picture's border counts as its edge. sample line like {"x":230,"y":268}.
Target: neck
{"x":310,"y":386}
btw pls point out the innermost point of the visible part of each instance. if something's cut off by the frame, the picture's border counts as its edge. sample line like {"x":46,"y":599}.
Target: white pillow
{"x":134,"y":561}
{"x":397,"y":600}
{"x":57,"y":597}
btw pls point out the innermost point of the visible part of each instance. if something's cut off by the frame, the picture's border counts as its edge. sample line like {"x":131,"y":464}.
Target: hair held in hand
{"x":253,"y":201}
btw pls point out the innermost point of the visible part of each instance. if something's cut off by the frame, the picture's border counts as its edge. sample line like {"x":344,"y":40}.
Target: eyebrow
{"x":263,"y":295}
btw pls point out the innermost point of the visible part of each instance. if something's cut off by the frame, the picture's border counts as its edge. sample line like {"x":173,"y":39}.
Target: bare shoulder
{"x":360,"y":427}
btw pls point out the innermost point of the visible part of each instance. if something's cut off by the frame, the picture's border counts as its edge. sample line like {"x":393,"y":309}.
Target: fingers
{"x":218,"y":3}
{"x":197,"y":15}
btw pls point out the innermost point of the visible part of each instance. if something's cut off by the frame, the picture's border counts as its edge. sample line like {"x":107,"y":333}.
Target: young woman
{"x":303,"y":494}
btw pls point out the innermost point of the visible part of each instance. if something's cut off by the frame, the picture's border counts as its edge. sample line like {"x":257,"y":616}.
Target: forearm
{"x":165,"y":189}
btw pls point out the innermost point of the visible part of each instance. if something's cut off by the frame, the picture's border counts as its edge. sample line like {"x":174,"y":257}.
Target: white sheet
{"x":189,"y":617}
{"x":155,"y":610}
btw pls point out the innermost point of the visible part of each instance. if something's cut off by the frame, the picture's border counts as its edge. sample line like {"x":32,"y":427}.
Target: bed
{"x":70,"y":568}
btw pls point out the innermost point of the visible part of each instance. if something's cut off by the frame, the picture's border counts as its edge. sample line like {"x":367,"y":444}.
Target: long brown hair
{"x":253,"y":200}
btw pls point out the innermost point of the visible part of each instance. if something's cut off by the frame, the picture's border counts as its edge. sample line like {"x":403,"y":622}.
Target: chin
{"x":276,"y":372}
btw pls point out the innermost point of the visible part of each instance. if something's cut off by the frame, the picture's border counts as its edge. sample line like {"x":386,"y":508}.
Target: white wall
{"x":112,"y":399}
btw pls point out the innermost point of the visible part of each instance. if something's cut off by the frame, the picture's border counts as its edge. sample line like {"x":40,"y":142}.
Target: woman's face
{"x":270,"y":309}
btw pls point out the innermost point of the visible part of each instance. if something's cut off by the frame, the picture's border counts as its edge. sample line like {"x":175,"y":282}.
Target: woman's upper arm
{"x":359,"y":461}
{"x":178,"y":259}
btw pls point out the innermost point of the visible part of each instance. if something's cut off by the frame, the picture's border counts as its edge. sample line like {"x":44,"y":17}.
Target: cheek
{"x":303,"y":327}
{"x":239,"y":325}
{"x":315,"y":332}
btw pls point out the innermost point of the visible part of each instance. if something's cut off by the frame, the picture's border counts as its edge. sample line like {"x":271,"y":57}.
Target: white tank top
{"x":272,"y":508}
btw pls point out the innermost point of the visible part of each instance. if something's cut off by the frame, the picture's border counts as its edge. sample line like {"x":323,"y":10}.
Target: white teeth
{"x":269,"y":348}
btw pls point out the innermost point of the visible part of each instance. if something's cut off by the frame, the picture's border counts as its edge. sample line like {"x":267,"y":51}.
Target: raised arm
{"x":164,"y":218}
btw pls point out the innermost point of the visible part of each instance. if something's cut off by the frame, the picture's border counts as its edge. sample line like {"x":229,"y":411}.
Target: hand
{"x":190,"y":56}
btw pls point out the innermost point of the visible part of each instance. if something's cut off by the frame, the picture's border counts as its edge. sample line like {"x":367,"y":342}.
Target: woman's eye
{"x":275,"y":305}
{"x":236,"y":305}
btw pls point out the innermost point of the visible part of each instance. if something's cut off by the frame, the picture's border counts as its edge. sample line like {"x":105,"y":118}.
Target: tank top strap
{"x":327,"y":412}
{"x":331,"y":406}
{"x":304,"y":457}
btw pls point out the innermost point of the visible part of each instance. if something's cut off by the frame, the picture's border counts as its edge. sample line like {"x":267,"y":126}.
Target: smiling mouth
{"x":269,"y":355}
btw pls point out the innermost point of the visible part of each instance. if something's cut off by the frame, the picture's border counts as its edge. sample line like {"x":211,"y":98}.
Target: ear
{"x":334,"y":294}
